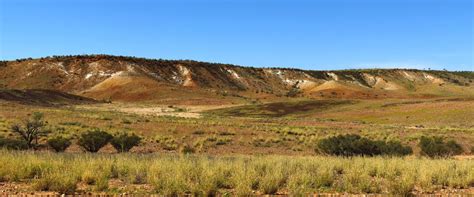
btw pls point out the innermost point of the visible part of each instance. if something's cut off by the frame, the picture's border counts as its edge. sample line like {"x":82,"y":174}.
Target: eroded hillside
{"x":137,"y":79}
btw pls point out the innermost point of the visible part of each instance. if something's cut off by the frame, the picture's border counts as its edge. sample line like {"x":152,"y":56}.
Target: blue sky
{"x":318,"y":34}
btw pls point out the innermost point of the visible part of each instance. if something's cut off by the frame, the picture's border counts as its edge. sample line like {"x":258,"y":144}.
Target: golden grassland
{"x":172,"y":174}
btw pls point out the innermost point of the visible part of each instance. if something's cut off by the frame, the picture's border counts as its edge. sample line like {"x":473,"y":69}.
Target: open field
{"x":292,"y":128}
{"x":234,"y":175}
{"x":259,"y":148}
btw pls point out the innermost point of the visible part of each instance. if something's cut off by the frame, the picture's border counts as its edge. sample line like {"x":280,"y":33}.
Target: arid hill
{"x":136,"y":79}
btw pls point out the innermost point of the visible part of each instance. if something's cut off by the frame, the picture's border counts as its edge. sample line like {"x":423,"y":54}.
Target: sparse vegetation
{"x":167,"y":142}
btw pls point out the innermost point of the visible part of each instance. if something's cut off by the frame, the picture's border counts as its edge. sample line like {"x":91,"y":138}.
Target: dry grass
{"x":238,"y":175}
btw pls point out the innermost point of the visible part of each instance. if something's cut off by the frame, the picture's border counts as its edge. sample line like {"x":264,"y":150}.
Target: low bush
{"x":13,"y":144}
{"x":353,"y":145}
{"x":59,"y":143}
{"x":394,"y":148}
{"x":124,"y":142}
{"x":436,"y":147}
{"x":94,"y":140}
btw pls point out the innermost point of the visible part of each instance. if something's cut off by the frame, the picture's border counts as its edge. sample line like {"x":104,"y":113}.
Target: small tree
{"x":94,"y":140}
{"x":124,"y":142}
{"x":59,"y":143}
{"x":32,"y":130}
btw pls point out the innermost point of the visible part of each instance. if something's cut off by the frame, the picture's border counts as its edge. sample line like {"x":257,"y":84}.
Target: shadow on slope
{"x":43,"y":97}
{"x":280,"y":109}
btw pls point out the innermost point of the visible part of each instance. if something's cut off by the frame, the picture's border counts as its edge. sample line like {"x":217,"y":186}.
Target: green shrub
{"x":59,"y":143}
{"x":436,"y":147}
{"x":394,"y":148}
{"x":353,"y":145}
{"x":13,"y":144}
{"x":124,"y":142}
{"x":454,"y":147}
{"x":93,"y":140}
{"x":347,"y":145}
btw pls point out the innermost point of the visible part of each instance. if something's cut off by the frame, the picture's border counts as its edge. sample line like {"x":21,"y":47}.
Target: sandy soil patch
{"x":155,"y":110}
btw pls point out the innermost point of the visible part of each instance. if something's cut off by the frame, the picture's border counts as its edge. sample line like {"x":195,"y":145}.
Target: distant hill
{"x":121,"y":78}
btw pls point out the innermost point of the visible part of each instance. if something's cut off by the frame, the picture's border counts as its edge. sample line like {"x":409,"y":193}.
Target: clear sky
{"x":318,"y":34}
